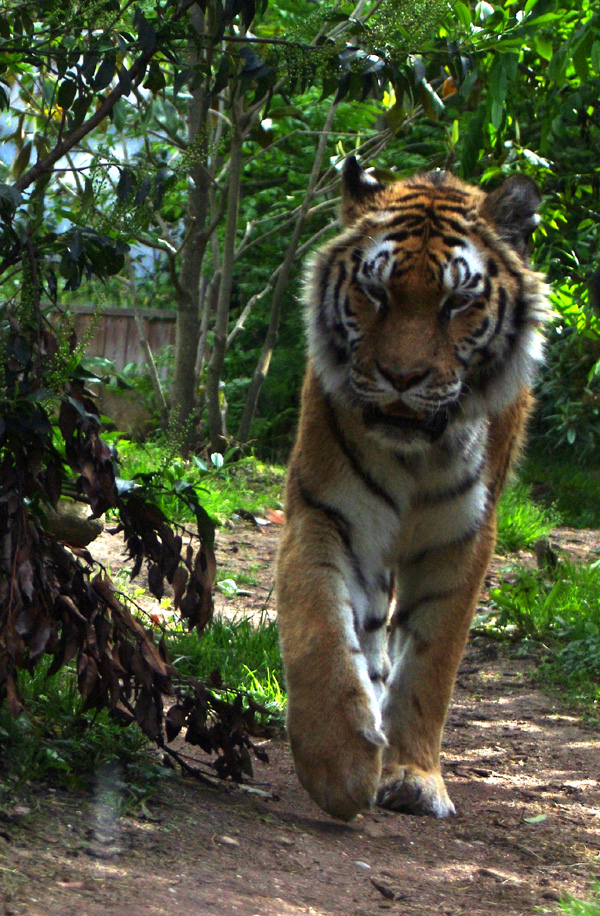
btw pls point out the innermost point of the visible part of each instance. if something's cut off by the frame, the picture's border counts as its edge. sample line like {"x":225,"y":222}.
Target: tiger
{"x":424,"y":323}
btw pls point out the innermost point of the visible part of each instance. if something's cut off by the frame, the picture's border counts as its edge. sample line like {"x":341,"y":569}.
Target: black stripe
{"x":324,"y":275}
{"x":464,"y":263}
{"x":387,"y":583}
{"x":400,"y":236}
{"x":492,"y":268}
{"x":454,"y":224}
{"x":340,"y":523}
{"x":430,"y":186}
{"x":372,"y":624}
{"x":480,"y":331}
{"x":519,"y":312}
{"x":501,"y":310}
{"x":338,"y":284}
{"x":461,"y":541}
{"x":371,"y":484}
{"x":404,"y":612}
{"x":453,"y":241}
{"x":440,"y":496}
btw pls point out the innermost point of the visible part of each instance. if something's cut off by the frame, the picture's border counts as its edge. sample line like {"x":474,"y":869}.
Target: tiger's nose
{"x":402,"y":381}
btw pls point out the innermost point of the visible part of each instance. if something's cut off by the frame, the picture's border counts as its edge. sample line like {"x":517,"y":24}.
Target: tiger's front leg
{"x":428,"y":633}
{"x":333,"y":717}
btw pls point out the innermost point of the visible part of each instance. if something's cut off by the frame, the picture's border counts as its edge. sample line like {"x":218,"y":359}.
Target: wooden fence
{"x":114,"y":334}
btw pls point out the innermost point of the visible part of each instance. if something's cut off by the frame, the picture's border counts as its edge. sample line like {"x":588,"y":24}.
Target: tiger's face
{"x":425,"y":309}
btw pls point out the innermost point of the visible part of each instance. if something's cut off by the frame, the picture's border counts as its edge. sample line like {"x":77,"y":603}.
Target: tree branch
{"x":134,"y":75}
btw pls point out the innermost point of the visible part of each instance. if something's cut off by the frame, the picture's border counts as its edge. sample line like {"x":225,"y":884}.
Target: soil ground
{"x":523,"y":771}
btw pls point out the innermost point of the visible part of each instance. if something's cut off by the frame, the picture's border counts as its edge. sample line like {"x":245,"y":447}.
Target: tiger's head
{"x":425,"y":309}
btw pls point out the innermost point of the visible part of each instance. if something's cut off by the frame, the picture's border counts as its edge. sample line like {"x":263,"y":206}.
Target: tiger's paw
{"x":338,"y":758}
{"x":414,"y":791}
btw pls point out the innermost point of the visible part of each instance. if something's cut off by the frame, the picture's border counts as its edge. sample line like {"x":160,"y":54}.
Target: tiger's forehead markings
{"x":464,"y":270}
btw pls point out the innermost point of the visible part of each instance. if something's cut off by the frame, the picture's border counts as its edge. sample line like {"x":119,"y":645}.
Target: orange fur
{"x":413,"y":407}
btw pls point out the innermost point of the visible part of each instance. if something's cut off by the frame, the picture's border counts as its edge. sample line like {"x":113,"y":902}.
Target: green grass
{"x":247,"y":657}
{"x":248,"y":484}
{"x":574,"y":907}
{"x":562,"y":610}
{"x":56,"y":739}
{"x":521,"y":521}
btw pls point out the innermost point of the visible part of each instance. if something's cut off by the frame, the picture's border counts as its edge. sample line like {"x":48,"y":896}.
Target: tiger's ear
{"x":358,"y":191}
{"x":512,"y":208}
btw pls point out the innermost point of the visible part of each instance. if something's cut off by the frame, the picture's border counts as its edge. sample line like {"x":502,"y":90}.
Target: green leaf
{"x":155,"y":80}
{"x":105,"y":74}
{"x":535,"y":819}
{"x":126,"y":184}
{"x":463,"y":13}
{"x":119,"y":115}
{"x":557,"y":68}
{"x":79,"y":110}
{"x":473,"y":142}
{"x":430,"y":100}
{"x":222,"y":75}
{"x":581,"y":54}
{"x":146,"y":32}
{"x":88,"y":195}
{"x":22,"y":160}
{"x":496,"y":114}
{"x":205,"y":524}
{"x":543,"y":46}
{"x":66,"y":94}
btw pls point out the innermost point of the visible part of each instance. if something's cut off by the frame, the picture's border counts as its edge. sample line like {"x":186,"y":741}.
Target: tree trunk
{"x":216,"y":424}
{"x":183,"y":393}
{"x":264,"y":360}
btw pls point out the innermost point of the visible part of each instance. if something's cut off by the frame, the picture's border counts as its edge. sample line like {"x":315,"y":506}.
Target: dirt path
{"x":523,"y":772}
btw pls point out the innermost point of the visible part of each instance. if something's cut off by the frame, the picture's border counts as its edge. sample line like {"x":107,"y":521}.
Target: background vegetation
{"x":184,"y":156}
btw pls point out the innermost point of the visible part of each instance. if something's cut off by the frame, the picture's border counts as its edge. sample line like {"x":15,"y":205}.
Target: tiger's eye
{"x":457,"y":302}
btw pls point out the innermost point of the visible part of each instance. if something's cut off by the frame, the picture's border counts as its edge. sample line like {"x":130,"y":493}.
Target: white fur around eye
{"x":455,"y":303}
{"x":375,"y":271}
{"x":377,"y":265}
{"x":464,"y":270}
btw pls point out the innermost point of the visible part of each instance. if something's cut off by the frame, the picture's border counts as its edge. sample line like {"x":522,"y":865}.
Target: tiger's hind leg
{"x":428,"y":633}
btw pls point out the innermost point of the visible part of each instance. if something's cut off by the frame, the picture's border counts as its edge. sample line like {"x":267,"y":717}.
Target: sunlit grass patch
{"x":56,"y":738}
{"x":246,"y":656}
{"x":561,"y":610}
{"x":223,"y":487}
{"x":572,"y":906}
{"x":521,"y":521}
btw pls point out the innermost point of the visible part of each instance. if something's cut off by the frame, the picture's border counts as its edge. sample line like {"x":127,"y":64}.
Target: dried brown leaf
{"x":87,"y":675}
{"x":174,"y":722}
{"x":25,"y":577}
{"x":179,"y":582}
{"x":152,"y":656}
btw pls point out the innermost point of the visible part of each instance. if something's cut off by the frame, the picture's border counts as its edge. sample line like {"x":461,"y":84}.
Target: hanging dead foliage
{"x":53,"y":601}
